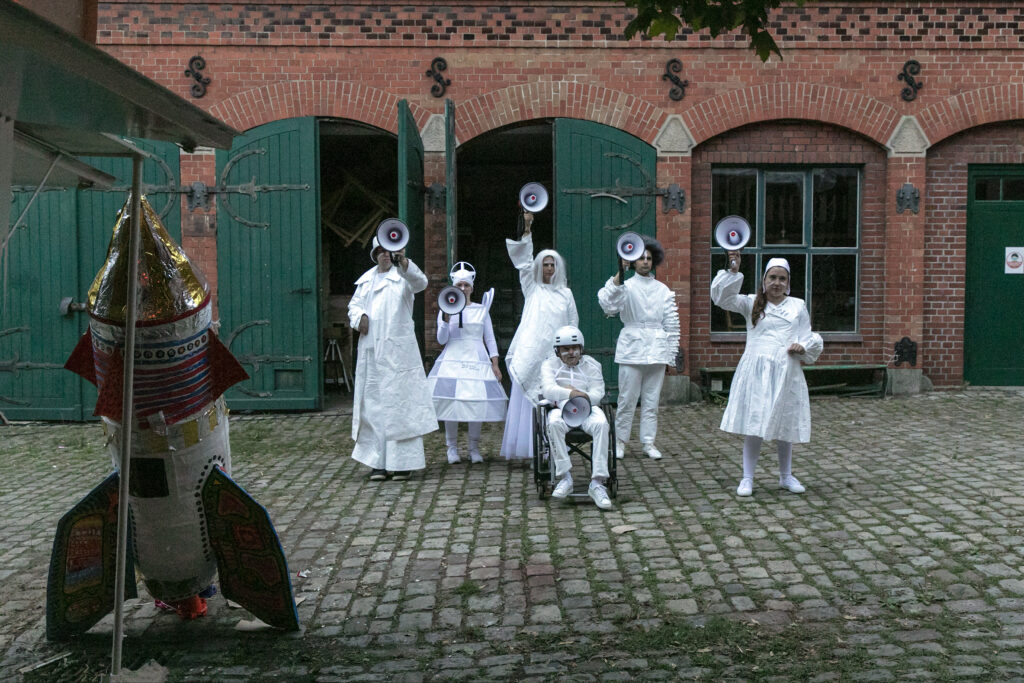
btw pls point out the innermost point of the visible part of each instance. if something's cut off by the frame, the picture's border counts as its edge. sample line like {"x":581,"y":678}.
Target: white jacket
{"x":399,"y":405}
{"x":557,"y":377}
{"x":647,"y":308}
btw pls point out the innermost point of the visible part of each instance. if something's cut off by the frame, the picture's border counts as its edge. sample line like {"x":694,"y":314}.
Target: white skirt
{"x":517,"y":442}
{"x":464,"y":386}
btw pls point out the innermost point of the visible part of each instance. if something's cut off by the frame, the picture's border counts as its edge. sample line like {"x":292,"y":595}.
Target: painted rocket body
{"x":180,"y":433}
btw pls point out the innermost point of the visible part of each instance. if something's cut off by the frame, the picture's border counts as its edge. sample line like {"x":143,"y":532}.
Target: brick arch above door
{"x":992,"y":104}
{"x":559,"y":99}
{"x":808,"y":101}
{"x":297,"y":98}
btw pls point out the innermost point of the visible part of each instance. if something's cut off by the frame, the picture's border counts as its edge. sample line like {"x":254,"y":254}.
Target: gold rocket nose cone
{"x":170,"y":286}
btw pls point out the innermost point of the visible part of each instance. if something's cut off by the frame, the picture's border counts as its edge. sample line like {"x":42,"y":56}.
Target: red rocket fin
{"x":225,"y":368}
{"x":80,"y":361}
{"x":108,"y":404}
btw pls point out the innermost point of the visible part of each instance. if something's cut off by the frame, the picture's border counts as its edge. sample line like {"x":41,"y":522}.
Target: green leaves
{"x":667,"y":17}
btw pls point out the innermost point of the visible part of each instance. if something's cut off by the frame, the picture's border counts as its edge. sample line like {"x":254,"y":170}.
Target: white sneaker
{"x":453,"y":455}
{"x":791,"y":483}
{"x":652,"y":451}
{"x":746,"y":487}
{"x":474,"y":455}
{"x":599,"y":493}
{"x":563,"y":488}
{"x":620,"y":449}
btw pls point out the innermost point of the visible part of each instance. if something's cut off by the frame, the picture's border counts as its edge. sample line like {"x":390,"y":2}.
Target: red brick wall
{"x":945,"y":251}
{"x":790,"y":143}
{"x":518,"y":61}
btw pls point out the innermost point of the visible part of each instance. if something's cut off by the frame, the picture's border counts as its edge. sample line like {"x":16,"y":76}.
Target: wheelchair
{"x":578,"y":442}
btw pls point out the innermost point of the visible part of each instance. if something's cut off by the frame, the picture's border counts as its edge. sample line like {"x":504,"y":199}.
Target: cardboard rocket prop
{"x":188,"y":519}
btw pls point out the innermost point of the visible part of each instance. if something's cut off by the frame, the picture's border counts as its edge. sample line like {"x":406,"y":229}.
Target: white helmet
{"x":568,"y":335}
{"x":374,"y":246}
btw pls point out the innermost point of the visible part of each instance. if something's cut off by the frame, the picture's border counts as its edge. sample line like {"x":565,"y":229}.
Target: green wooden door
{"x":268,"y":246}
{"x":410,"y":199}
{"x":601,"y":176}
{"x":56,"y":253}
{"x":994,"y":306}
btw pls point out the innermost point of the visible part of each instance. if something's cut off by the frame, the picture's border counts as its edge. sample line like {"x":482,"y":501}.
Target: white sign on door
{"x":1014,"y":264}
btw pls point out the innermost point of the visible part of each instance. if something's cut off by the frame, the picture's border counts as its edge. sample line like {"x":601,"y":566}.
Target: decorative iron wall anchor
{"x":195,"y":69}
{"x":910,"y":69}
{"x":908,"y":197}
{"x":436,"y":67}
{"x":672,"y":67}
{"x":906,"y":352}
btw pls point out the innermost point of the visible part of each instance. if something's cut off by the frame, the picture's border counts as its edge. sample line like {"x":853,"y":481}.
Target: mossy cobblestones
{"x":904,"y":560}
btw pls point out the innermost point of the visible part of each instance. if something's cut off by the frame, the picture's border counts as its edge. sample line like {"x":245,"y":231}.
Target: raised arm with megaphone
{"x":392,"y":235}
{"x":732,"y":234}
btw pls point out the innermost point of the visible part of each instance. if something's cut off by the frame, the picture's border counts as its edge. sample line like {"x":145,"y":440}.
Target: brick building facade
{"x":775,"y":137}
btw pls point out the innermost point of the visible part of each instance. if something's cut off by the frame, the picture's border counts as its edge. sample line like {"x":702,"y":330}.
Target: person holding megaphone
{"x":392,"y":407}
{"x":567,"y":376}
{"x":466,"y":380}
{"x":548,"y":305}
{"x":768,"y":397}
{"x":648,"y":342}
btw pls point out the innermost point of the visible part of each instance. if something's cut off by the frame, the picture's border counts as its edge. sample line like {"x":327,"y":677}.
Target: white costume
{"x":768,"y":395}
{"x":392,"y":408}
{"x":649,"y":341}
{"x":462,"y":380}
{"x":547,"y":307}
{"x":556,"y":377}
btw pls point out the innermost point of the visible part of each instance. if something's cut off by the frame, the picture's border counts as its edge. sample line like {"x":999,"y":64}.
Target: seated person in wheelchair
{"x":567,"y":376}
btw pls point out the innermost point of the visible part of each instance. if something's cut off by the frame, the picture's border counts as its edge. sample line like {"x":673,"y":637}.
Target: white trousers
{"x":643,"y":383}
{"x":451,"y":434}
{"x":596,"y":425}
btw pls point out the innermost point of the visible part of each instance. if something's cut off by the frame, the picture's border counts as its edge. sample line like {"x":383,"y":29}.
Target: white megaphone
{"x":452,"y":300}
{"x":533,"y":197}
{"x":392,"y":234}
{"x":630,"y":246}
{"x":732,"y":233}
{"x":576,"y":411}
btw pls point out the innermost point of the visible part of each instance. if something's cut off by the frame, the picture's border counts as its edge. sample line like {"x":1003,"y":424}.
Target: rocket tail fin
{"x":227,"y":371}
{"x":80,"y":586}
{"x":80,"y":361}
{"x":250,"y":561}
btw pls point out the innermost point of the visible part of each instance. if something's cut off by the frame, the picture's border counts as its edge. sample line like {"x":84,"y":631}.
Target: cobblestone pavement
{"x":903,"y":560}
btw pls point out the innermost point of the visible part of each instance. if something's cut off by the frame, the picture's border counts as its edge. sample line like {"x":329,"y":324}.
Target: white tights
{"x":752,"y":449}
{"x":451,"y":431}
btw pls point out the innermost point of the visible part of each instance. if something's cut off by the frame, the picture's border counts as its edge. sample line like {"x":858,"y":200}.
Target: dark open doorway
{"x":492,"y":168}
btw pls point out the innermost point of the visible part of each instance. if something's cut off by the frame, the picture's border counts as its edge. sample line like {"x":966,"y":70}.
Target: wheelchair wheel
{"x":541,"y":465}
{"x":613,"y":463}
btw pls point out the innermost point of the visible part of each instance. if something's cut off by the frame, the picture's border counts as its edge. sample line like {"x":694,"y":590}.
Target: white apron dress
{"x":768,"y":396}
{"x":462,"y":382}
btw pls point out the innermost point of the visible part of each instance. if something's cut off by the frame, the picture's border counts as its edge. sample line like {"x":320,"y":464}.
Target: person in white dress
{"x":548,"y":305}
{"x":392,"y":408}
{"x":768,"y":396}
{"x":466,"y":380}
{"x":648,"y":342}
{"x":568,"y":375}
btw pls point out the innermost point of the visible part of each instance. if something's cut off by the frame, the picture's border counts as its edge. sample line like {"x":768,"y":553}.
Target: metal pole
{"x":127,"y":406}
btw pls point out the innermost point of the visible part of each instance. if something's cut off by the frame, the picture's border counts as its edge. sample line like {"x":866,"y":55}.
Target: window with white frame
{"x":810,"y":216}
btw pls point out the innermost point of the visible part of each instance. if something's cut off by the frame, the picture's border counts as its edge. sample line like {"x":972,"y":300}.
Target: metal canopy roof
{"x":66,"y":92}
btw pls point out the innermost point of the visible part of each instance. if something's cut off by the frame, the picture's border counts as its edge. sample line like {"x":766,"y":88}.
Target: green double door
{"x":268,"y":257}
{"x":994,"y":288}
{"x":54,"y":253}
{"x":604,"y":182}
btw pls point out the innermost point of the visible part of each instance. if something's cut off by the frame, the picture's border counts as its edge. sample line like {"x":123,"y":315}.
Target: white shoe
{"x":563,"y":488}
{"x":474,"y":455}
{"x":652,"y":452}
{"x":746,"y":487}
{"x":599,"y":493}
{"x":791,"y":483}
{"x":453,"y":455}
{"x":620,"y":449}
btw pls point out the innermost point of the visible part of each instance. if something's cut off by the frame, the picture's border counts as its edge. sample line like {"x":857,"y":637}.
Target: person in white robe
{"x":768,"y":396}
{"x":465,"y":380}
{"x":648,"y":342}
{"x":392,"y":408}
{"x":568,"y":375}
{"x":548,"y":305}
